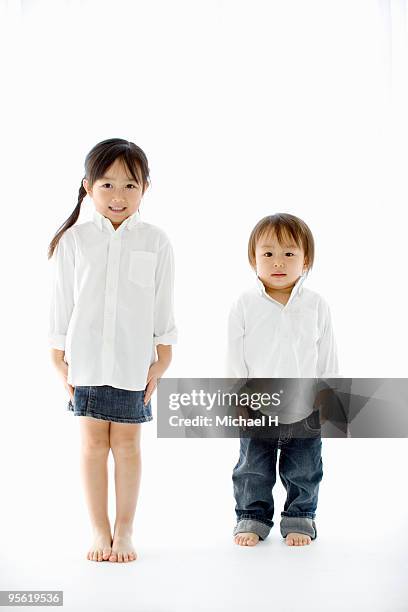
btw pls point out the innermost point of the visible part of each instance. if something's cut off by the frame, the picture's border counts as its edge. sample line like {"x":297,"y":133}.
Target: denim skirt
{"x":110,"y":404}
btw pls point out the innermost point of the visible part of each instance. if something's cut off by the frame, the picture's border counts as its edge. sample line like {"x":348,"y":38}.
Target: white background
{"x":243,"y":109}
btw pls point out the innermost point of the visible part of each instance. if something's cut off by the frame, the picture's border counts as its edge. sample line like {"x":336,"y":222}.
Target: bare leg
{"x":94,"y":468}
{"x":125,"y":445}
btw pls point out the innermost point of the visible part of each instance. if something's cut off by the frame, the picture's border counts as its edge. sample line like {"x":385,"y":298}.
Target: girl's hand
{"x":62,"y":369}
{"x":155,"y":372}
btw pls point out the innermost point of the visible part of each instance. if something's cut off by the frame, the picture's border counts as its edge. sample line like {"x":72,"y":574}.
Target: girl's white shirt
{"x":112,"y":301}
{"x":267,"y":339}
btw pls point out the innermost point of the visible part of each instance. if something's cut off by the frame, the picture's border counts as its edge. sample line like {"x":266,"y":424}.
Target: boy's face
{"x":279,"y":266}
{"x":118,"y":189}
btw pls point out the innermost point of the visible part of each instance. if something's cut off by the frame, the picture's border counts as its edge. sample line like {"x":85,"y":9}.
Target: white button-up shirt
{"x":267,"y":339}
{"x":112,"y":301}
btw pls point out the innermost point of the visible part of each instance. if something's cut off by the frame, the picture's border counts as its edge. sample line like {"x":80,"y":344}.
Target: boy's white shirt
{"x":112,"y":301}
{"x":267,"y":339}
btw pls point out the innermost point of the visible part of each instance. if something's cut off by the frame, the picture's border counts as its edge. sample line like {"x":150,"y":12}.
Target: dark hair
{"x":283,"y":224}
{"x":98,"y":160}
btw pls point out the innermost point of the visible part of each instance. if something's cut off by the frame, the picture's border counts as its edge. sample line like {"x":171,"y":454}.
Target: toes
{"x":297,"y":539}
{"x":113,"y":557}
{"x":106,"y":553}
{"x":246,"y":539}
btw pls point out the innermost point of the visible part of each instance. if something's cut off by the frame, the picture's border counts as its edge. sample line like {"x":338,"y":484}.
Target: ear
{"x":85,"y":184}
{"x":305,"y":265}
{"x":145,"y":188}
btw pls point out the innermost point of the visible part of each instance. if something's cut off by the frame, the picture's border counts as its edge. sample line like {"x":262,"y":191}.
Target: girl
{"x":111,"y":331}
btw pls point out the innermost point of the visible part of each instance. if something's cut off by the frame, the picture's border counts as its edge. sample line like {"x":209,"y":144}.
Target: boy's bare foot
{"x":122,"y":546}
{"x":297,"y":539}
{"x":101,"y":545}
{"x":246,"y":539}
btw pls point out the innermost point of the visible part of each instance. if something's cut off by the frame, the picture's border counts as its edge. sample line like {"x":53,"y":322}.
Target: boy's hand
{"x":321,"y":403}
{"x":242,"y":411}
{"x":62,"y":368}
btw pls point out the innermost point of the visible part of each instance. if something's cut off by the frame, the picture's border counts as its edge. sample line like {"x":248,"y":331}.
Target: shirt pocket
{"x":142,"y":266}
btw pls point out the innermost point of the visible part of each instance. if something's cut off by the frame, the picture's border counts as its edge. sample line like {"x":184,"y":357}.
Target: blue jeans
{"x":300,"y":470}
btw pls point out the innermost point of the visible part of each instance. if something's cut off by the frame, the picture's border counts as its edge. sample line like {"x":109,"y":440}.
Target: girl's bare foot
{"x":246,"y":539}
{"x":101,"y":546}
{"x":122,"y":546}
{"x":297,"y":539}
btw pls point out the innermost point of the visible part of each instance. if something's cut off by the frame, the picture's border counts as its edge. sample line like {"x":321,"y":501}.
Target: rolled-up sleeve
{"x":165,"y":331}
{"x":62,"y":292}
{"x":327,"y":364}
{"x":235,"y":362}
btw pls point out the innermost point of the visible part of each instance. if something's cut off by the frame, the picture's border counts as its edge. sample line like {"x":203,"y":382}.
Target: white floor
{"x":183,"y":526}
{"x":359,"y":571}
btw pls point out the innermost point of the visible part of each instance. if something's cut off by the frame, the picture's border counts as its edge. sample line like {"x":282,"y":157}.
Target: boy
{"x":280,"y":329}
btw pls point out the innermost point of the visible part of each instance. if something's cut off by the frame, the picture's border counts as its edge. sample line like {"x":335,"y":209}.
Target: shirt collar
{"x":101,"y":221}
{"x":297,"y":288}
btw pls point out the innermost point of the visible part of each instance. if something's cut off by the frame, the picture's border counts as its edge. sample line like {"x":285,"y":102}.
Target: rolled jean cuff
{"x":253,"y":526}
{"x":298,"y":524}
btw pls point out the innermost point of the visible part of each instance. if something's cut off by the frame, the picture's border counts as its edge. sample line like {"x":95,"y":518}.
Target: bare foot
{"x":101,"y":545}
{"x":297,"y":539}
{"x":246,"y":539}
{"x":122,"y":546}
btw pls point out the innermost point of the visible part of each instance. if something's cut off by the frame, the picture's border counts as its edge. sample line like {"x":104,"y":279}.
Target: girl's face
{"x":279,"y":266}
{"x":117,"y":189}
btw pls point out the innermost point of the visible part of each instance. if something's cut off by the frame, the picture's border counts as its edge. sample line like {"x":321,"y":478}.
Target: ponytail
{"x":68,"y":223}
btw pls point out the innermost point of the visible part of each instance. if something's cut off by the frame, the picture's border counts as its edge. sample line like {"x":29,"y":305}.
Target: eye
{"x":130,"y":185}
{"x":104,"y":185}
{"x":290,"y":254}
{"x":268,"y":254}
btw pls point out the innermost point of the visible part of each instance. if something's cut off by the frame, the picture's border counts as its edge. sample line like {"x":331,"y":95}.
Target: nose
{"x":117,"y":200}
{"x":117,"y":195}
